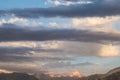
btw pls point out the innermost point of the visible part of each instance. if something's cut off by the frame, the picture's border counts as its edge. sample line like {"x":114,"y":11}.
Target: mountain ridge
{"x":113,"y":74}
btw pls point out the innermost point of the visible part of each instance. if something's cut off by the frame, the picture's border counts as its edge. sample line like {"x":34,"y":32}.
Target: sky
{"x":59,"y":36}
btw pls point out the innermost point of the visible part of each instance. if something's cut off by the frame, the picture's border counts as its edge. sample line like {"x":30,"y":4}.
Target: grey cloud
{"x":8,"y":54}
{"x":99,"y":8}
{"x":23,"y":50}
{"x":81,"y":48}
{"x":14,"y":51}
{"x":13,"y":58}
{"x":67,"y":64}
{"x":13,"y":34}
{"x":23,"y":54}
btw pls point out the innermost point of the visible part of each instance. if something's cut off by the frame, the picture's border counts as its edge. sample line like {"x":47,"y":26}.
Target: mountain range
{"x":113,"y":74}
{"x":16,"y":76}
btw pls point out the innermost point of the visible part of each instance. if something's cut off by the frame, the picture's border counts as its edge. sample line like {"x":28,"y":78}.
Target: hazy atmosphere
{"x":64,"y":37}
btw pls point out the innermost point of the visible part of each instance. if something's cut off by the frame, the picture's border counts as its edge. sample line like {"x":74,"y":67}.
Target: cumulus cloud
{"x":69,"y":2}
{"x":109,"y":51}
{"x":2,"y":21}
{"x":13,"y":20}
{"x":53,"y":24}
{"x":95,"y":23}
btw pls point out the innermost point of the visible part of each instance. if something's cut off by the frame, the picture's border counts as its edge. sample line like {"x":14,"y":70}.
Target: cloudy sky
{"x":60,"y":36}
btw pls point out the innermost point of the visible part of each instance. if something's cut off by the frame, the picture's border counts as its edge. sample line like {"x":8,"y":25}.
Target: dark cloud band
{"x":100,"y":8}
{"x":13,"y":34}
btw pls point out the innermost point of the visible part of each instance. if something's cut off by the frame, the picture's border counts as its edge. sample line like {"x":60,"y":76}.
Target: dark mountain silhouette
{"x":111,"y":75}
{"x":114,"y":76}
{"x":43,"y":76}
{"x":114,"y":70}
{"x":16,"y":76}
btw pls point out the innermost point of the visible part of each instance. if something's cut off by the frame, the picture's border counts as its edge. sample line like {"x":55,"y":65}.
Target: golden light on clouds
{"x":30,"y":44}
{"x":50,"y":45}
{"x":109,"y":51}
{"x":95,"y":23}
{"x":76,"y":74}
{"x":4,"y":71}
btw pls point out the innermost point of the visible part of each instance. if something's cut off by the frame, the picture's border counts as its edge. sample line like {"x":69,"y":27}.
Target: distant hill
{"x":92,"y":77}
{"x":113,"y":74}
{"x":16,"y":76}
{"x":114,"y":70}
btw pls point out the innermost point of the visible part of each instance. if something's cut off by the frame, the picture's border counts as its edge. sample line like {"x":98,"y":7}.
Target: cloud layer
{"x":15,"y":33}
{"x":55,"y":55}
{"x":62,"y":37}
{"x":98,"y":8}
